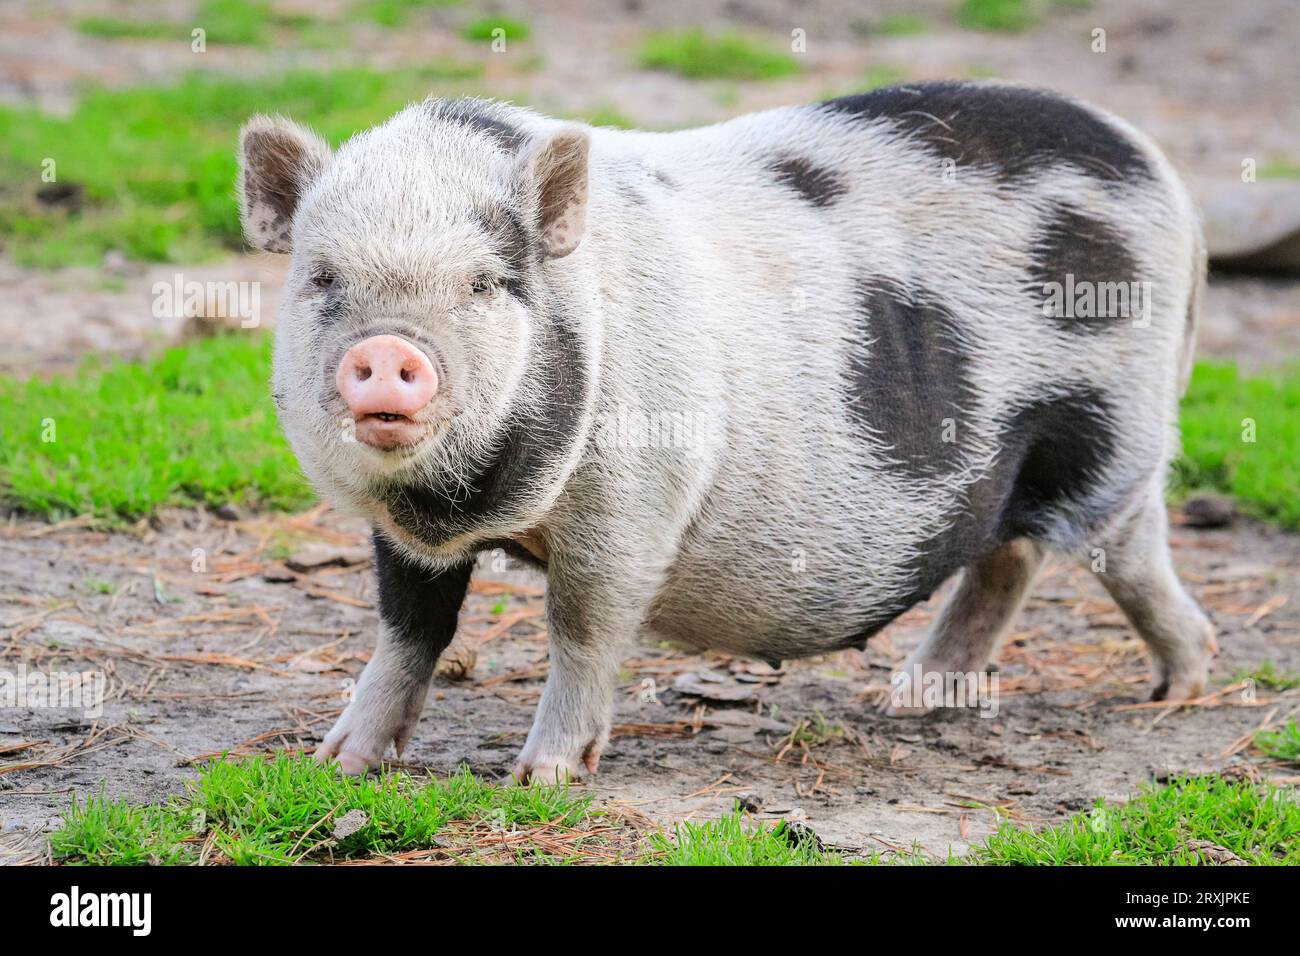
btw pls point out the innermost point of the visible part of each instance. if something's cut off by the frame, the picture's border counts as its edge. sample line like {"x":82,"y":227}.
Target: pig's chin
{"x":383,"y":449}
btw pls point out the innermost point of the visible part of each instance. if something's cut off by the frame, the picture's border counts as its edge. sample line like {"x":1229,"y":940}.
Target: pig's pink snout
{"x":386,"y":375}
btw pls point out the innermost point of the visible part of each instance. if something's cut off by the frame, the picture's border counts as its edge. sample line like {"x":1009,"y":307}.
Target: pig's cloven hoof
{"x":550,"y":770}
{"x":1185,"y":677}
{"x":360,"y":737}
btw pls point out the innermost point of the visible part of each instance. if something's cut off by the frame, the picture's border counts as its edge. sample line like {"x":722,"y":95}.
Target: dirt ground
{"x":249,"y":654}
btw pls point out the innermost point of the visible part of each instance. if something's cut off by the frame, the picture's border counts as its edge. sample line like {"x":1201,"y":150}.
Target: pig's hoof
{"x":1175,"y":690}
{"x":359,"y":739}
{"x":545,"y":770}
{"x":1185,"y":677}
{"x":901,"y":701}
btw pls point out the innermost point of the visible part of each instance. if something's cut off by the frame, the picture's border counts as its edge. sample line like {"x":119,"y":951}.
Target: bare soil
{"x":250,"y":656}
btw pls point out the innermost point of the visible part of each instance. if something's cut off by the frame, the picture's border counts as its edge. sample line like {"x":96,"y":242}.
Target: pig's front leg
{"x":418,"y":610}
{"x":591,"y":613}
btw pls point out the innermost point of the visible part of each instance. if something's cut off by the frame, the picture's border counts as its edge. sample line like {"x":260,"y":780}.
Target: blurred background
{"x":118,"y":117}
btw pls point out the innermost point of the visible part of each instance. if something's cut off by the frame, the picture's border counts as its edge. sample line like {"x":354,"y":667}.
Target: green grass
{"x":158,"y":165}
{"x":1004,"y":16}
{"x":1267,"y":675}
{"x":727,"y":56}
{"x":482,"y":29}
{"x":1011,"y":16}
{"x":1262,"y":475}
{"x":394,"y":13}
{"x":1259,"y":824}
{"x":882,"y":74}
{"x":284,"y":810}
{"x":1279,"y":169}
{"x":194,"y":425}
{"x":903,"y":24}
{"x":237,"y":22}
{"x":732,"y":840}
{"x":1283,"y":744}
{"x":116,"y":28}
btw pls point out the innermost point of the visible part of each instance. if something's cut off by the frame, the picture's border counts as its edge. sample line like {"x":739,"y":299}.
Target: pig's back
{"x":866,"y":278}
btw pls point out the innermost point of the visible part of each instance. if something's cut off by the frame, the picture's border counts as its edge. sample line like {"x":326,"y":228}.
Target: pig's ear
{"x":558,"y":167}
{"x":278,"y":160}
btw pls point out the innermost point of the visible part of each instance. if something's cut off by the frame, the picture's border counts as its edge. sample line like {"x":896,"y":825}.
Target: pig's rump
{"x":945,"y":318}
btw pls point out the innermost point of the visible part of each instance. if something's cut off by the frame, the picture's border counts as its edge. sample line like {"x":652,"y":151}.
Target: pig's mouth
{"x":391,"y":432}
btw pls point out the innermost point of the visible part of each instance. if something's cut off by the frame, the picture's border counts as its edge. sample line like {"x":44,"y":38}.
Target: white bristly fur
{"x":704,"y":289}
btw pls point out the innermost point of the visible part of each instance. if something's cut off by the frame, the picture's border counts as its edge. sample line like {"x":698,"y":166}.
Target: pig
{"x":757,"y":387}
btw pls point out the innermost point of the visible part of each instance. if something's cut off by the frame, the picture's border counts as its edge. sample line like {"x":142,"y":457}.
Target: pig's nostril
{"x":408,"y":375}
{"x":363,"y":373}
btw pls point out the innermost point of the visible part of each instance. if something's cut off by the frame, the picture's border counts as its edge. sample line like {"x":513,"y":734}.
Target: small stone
{"x":750,"y":802}
{"x":350,"y":823}
{"x":797,"y":834}
{"x":1209,"y":511}
{"x":228,"y":512}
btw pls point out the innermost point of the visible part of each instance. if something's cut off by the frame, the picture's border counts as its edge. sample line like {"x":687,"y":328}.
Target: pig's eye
{"x":482,"y":285}
{"x":324,"y":279}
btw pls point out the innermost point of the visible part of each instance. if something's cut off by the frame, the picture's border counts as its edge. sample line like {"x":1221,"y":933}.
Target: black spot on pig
{"x":1082,"y":272}
{"x":542,"y":429}
{"x":419,"y":606}
{"x":1052,"y":480}
{"x":1064,"y":447}
{"x":816,"y":184}
{"x":516,"y":245}
{"x":910,"y":378}
{"x":480,"y":117}
{"x":1011,"y":131}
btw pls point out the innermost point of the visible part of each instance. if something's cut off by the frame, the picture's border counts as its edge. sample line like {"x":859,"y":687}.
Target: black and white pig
{"x":758,"y":387}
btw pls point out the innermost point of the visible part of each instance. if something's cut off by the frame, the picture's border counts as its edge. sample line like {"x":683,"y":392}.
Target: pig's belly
{"x":773,"y":602}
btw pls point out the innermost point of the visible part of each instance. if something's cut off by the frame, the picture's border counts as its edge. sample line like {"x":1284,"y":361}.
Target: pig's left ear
{"x":557,"y":165}
{"x":278,"y":160}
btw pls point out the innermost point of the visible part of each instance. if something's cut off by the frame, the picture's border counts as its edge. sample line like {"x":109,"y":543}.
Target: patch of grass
{"x":394,"y":13}
{"x":1221,"y":413}
{"x":485,"y":28}
{"x":735,"y":840}
{"x":1278,"y":169}
{"x":103,"y":832}
{"x":1259,"y":824}
{"x":194,"y":425}
{"x":903,"y":24}
{"x":157,"y":166}
{"x":116,"y":28}
{"x":608,"y":115}
{"x":236,"y":22}
{"x":1283,"y":744}
{"x":290,"y":809}
{"x":882,"y":74}
{"x":1003,"y":16}
{"x":727,"y":56}
{"x":1011,"y":16}
{"x":1267,"y":675}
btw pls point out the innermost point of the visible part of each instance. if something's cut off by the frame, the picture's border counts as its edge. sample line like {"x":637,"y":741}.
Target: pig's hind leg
{"x":1138,"y":571}
{"x":968,"y":629}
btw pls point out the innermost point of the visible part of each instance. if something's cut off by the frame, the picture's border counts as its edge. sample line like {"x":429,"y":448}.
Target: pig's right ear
{"x":278,"y":160}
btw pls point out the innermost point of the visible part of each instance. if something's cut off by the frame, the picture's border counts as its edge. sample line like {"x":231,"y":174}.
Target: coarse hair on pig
{"x":871,"y":326}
